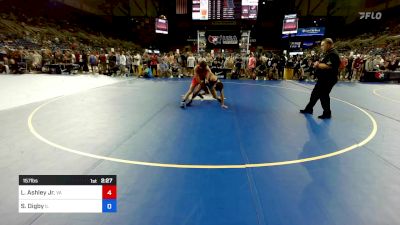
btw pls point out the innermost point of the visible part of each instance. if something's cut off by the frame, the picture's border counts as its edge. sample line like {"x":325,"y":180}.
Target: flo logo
{"x":370,"y":15}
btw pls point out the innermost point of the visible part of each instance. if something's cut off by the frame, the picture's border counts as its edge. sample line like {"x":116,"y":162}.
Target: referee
{"x":326,"y":71}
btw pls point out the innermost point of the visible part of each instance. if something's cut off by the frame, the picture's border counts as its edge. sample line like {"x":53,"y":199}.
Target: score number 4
{"x":109,"y":192}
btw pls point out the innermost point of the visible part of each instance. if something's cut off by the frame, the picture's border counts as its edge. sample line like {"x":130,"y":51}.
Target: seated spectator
{"x":4,"y":67}
{"x":378,"y":62}
{"x":261,"y":71}
{"x":164,"y":68}
{"x":175,"y":69}
{"x":230,"y":62}
{"x":368,"y":66}
{"x":4,"y":62}
{"x":309,"y":69}
{"x":392,"y":63}
{"x":147,"y":72}
{"x":273,"y":72}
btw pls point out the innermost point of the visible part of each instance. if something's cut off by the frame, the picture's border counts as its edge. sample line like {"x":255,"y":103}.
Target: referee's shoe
{"x":306,"y":111}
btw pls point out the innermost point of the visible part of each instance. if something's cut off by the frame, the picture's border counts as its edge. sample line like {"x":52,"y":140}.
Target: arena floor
{"x":258,"y":162}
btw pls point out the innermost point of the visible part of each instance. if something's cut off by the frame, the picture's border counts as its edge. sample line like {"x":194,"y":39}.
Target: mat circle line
{"x":203,"y":166}
{"x":375,"y":92}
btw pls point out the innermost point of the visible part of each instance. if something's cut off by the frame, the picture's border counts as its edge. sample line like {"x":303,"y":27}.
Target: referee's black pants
{"x":321,"y":91}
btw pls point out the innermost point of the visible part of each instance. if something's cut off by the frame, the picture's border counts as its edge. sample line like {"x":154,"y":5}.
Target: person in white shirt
{"x":122,"y":63}
{"x":191,"y":61}
{"x":136,"y":63}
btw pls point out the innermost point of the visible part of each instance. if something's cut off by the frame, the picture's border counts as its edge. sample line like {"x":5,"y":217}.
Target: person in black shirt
{"x":326,"y":71}
{"x":237,"y":67}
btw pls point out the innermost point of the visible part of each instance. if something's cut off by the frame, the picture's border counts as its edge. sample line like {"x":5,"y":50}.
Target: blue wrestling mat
{"x":258,"y":162}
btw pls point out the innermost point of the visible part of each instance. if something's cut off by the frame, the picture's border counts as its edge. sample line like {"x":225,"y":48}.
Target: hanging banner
{"x":311,"y":31}
{"x":308,"y":31}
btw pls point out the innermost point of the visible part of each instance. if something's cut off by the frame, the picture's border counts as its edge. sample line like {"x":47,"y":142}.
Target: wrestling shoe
{"x":183,"y":105}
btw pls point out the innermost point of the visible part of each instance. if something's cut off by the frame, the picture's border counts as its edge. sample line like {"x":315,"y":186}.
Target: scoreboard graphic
{"x":67,"y":194}
{"x":224,"y":9}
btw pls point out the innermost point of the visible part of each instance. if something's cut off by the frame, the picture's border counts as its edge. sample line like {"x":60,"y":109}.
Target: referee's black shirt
{"x":331,"y":58}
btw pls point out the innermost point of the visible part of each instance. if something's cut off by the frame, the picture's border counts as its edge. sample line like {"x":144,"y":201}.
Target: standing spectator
{"x":281,"y":61}
{"x":201,"y":58}
{"x":252,"y":65}
{"x":209,"y":60}
{"x":103,"y":63}
{"x":136,"y":63}
{"x":357,"y":67}
{"x":73,"y":60}
{"x":238,"y":67}
{"x":37,"y":61}
{"x":146,"y":59}
{"x":349,"y":67}
{"x":190,"y":64}
{"x":342,"y":67}
{"x":112,"y":64}
{"x":93,"y":61}
{"x":85,"y":58}
{"x":122,"y":64}
{"x":171,"y":58}
{"x":78,"y":59}
{"x":129,"y":64}
{"x":29,"y":60}
{"x":154,"y":63}
{"x":244,"y":64}
{"x":58,"y":57}
{"x":219,"y":61}
{"x":273,"y":70}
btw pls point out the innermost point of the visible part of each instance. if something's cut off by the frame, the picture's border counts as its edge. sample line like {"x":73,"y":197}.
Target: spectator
{"x":112,"y":64}
{"x":342,"y":67}
{"x":190,"y":64}
{"x":92,"y":61}
{"x":129,"y":64}
{"x":164,"y":68}
{"x":154,"y":64}
{"x":85,"y":59}
{"x":103,"y":63}
{"x":175,"y":69}
{"x":147,"y":72}
{"x":122,"y":64}
{"x":368,"y":66}
{"x":136,"y":63}
{"x":357,"y":67}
